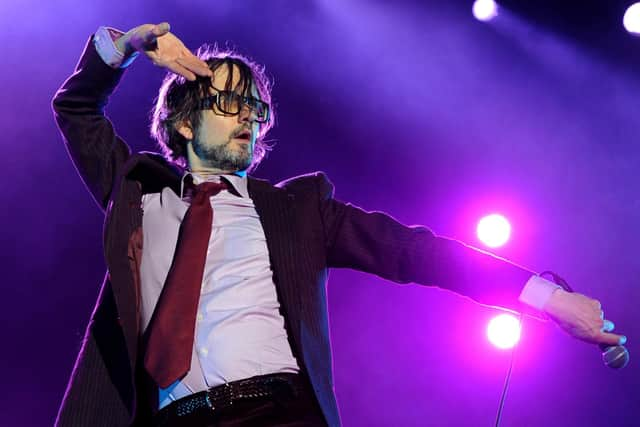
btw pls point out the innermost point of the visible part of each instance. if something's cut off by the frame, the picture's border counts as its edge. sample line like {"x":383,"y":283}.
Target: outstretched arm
{"x":376,"y":243}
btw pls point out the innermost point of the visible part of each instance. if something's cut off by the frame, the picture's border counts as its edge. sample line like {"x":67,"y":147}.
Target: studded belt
{"x":225,"y":395}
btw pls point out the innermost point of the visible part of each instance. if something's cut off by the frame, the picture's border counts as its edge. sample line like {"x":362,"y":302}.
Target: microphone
{"x":613,"y":356}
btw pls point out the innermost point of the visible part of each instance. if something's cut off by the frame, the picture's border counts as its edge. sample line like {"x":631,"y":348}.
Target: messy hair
{"x":179,"y":102}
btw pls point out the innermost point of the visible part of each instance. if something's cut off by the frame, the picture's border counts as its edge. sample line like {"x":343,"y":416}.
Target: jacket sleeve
{"x":97,"y":152}
{"x":376,"y":243}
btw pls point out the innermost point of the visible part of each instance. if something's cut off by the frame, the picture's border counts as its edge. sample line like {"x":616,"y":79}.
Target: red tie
{"x":172,"y":326}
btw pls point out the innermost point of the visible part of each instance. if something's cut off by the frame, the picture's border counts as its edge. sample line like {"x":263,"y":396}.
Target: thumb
{"x":161,"y":29}
{"x":150,"y":35}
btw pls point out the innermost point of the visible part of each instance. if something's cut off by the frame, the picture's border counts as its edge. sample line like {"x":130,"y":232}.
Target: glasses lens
{"x":229,"y":102}
{"x":262,"y":111}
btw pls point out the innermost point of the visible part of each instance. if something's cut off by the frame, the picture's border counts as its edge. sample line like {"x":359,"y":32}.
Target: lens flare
{"x":485,"y":10}
{"x":631,"y":19}
{"x":493,"y":230}
{"x":503,"y":331}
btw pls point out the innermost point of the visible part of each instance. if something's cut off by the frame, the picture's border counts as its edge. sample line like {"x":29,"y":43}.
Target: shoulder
{"x":315,"y":182}
{"x":153,"y":156}
{"x":153,"y":171}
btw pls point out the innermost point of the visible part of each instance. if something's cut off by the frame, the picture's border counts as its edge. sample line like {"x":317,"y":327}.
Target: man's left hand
{"x":582,"y":317}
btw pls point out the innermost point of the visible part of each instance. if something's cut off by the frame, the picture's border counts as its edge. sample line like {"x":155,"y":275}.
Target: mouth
{"x":243,"y":135}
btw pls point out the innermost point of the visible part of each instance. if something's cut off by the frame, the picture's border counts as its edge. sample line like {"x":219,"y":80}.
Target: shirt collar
{"x":239,"y":183}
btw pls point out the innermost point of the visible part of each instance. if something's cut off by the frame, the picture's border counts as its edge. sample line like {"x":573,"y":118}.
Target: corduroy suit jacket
{"x":307,"y":232}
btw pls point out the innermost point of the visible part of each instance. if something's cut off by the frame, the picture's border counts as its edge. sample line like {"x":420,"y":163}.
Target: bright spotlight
{"x":631,"y":19}
{"x":504,"y":331}
{"x":493,"y":230}
{"x":485,"y":10}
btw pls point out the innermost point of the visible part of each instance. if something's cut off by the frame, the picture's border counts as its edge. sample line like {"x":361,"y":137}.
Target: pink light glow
{"x":493,"y":230}
{"x":503,"y":331}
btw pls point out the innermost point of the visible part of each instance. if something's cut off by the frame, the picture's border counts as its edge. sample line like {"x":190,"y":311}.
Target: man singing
{"x":213,"y":311}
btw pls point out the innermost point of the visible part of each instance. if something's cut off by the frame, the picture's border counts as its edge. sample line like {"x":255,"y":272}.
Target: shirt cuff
{"x":537,"y":291}
{"x":103,"y":40}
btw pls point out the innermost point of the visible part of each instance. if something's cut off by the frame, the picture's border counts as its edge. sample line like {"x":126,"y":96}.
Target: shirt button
{"x":200,"y":317}
{"x":203,"y":351}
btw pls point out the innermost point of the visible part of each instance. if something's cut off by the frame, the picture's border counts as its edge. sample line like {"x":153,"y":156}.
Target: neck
{"x":198,"y":166}
{"x":207,"y":171}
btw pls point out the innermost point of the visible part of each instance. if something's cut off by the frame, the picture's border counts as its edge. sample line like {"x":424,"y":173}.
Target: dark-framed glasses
{"x":230,"y":102}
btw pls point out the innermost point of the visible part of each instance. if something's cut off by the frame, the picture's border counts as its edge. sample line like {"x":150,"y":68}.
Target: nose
{"x":247,"y":114}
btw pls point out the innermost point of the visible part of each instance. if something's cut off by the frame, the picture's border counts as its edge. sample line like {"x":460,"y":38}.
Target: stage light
{"x":485,"y":10}
{"x":493,"y":230}
{"x":503,"y":331}
{"x":631,"y":19}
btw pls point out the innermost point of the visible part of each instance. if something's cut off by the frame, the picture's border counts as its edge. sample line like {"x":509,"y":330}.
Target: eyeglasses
{"x":230,"y":102}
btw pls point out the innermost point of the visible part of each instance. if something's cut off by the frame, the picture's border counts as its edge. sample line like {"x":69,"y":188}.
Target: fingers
{"x":169,"y":52}
{"x":188,"y":66}
{"x":607,"y":338}
{"x":195,"y":65}
{"x":176,"y":68}
{"x":610,"y":339}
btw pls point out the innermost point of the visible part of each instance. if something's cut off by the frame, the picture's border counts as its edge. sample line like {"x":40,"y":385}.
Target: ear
{"x":185,"y":130}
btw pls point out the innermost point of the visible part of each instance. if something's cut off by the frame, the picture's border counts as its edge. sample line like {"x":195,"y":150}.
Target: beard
{"x":223,"y":156}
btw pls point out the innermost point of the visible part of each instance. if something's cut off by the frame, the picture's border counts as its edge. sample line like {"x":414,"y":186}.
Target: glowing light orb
{"x":493,"y":230}
{"x":504,"y":331}
{"x":485,"y":10}
{"x":631,"y":19}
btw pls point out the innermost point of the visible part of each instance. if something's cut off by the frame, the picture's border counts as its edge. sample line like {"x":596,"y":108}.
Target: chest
{"x":236,"y":229}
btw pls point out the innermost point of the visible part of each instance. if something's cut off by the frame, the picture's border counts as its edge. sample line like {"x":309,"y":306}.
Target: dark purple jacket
{"x":306,"y":229}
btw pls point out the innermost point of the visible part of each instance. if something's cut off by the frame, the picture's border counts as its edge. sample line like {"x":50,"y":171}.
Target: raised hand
{"x":164,"y":49}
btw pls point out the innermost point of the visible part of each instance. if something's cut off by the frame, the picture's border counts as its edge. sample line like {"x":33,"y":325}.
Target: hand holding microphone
{"x":582,"y":317}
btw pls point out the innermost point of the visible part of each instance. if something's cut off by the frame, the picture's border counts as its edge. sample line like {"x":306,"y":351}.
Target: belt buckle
{"x":226,"y":393}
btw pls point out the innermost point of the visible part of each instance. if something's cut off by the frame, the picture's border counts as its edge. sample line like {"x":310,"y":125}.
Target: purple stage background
{"x":411,"y":107}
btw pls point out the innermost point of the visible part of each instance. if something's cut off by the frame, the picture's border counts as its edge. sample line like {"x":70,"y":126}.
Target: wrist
{"x":106,"y":41}
{"x":551,"y":304}
{"x":537,"y":292}
{"x":123,"y":45}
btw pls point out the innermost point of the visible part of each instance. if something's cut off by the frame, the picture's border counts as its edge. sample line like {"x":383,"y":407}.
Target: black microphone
{"x":614,"y":356}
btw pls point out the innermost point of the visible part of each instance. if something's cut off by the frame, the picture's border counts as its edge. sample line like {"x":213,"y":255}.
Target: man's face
{"x":225,"y":141}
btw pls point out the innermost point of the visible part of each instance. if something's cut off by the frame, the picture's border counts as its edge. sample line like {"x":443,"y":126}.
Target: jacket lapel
{"x":143,"y":173}
{"x":276,"y":209}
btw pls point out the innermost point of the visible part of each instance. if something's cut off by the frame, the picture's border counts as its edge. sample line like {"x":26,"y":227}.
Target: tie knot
{"x":207,"y":189}
{"x":211,"y":188}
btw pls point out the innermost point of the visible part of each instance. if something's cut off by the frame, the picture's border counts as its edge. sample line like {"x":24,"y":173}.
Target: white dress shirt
{"x":240,"y":332}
